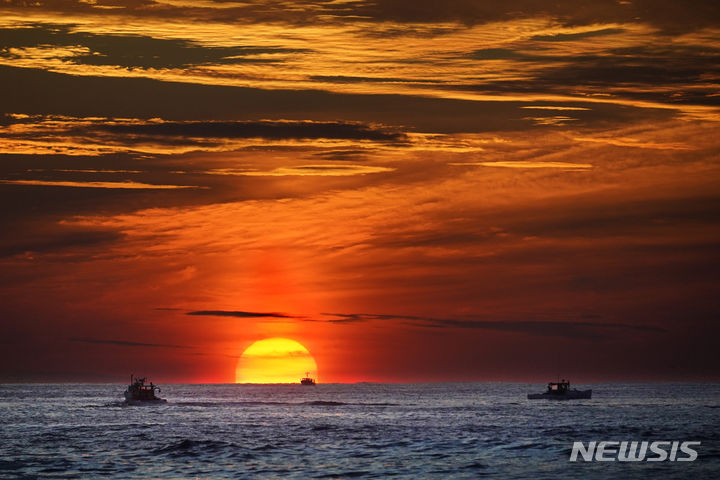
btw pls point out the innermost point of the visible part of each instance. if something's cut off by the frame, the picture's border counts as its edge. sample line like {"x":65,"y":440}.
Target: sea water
{"x":461,"y":430}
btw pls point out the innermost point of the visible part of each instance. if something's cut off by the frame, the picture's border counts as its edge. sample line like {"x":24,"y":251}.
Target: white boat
{"x":560,"y":391}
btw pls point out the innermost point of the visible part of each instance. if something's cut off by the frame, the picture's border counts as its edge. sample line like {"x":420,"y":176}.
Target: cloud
{"x":531,"y":164}
{"x":55,"y":239}
{"x":564,"y":37}
{"x":112,"y":185}
{"x":616,"y":71}
{"x":351,"y":79}
{"x":129,"y":51}
{"x":342,"y":155}
{"x":633,"y":142}
{"x":237,"y":314}
{"x":68,"y":135}
{"x":364,"y":317}
{"x":124,"y":343}
{"x":79,"y":170}
{"x":442,"y":237}
{"x":673,"y":74}
{"x":553,"y":107}
{"x":274,"y":130}
{"x":586,"y":330}
{"x":306,"y":171}
{"x":665,"y":14}
{"x":581,"y":218}
{"x":570,"y":329}
{"x":84,"y":96}
{"x":555,"y":120}
{"x":499,"y":54}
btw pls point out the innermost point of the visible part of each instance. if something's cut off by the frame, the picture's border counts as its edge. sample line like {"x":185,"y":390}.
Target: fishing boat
{"x":307,"y":380}
{"x":560,"y":391}
{"x":140,"y":393}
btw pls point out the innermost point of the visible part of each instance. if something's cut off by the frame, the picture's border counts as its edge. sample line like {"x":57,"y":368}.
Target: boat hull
{"x":568,"y":395}
{"x":142,"y":403}
{"x":131,"y":400}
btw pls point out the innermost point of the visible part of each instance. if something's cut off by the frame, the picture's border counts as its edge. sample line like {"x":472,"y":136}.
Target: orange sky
{"x":476,"y":192}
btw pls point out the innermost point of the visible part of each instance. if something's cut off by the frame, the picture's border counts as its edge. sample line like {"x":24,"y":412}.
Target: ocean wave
{"x":205,"y":449}
{"x":187,"y":444}
{"x":226,"y":404}
{"x":327,"y":403}
{"x":318,"y":403}
{"x":347,"y":474}
{"x":6,"y":465}
{"x":475,"y":466}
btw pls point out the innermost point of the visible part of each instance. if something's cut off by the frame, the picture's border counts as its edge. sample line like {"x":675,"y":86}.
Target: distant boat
{"x":560,"y":391}
{"x":138,"y":393}
{"x":307,"y":380}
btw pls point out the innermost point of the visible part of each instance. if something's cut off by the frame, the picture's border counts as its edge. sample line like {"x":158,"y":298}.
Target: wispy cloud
{"x":555,"y":120}
{"x":57,"y":238}
{"x":568,"y":37}
{"x":553,"y":107}
{"x":634,"y":143}
{"x":588,"y":330}
{"x":276,"y":130}
{"x":112,"y":185}
{"x":124,"y":343}
{"x":238,"y":314}
{"x":60,"y":134}
{"x":364,"y":317}
{"x":663,"y":14}
{"x":128,"y":51}
{"x":81,"y":170}
{"x":571,"y":329}
{"x":306,"y":171}
{"x":530,"y":164}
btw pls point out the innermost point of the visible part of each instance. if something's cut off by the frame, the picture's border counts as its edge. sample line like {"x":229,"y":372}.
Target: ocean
{"x":454,"y":430}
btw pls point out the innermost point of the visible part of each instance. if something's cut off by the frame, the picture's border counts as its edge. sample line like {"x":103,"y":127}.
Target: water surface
{"x":464,"y":430}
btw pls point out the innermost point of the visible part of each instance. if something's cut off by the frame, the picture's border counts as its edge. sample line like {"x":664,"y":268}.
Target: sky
{"x":414,"y":191}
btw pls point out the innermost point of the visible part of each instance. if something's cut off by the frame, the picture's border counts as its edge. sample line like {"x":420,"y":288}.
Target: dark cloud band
{"x":274,"y":130}
{"x":667,"y":15}
{"x":236,"y":314}
{"x":570,"y":329}
{"x":124,"y":343}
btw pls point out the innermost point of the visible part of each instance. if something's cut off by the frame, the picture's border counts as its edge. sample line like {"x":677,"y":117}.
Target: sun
{"x":275,"y":360}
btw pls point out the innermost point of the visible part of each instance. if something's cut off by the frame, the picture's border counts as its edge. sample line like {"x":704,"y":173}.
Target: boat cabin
{"x":307,"y":380}
{"x":558,"y":388}
{"x":138,"y":390}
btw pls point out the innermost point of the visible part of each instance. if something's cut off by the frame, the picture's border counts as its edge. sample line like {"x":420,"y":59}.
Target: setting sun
{"x":275,"y":360}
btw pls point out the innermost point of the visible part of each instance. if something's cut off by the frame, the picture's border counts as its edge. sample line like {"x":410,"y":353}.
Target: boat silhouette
{"x":140,"y":393}
{"x":560,"y":391}
{"x":307,"y":380}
